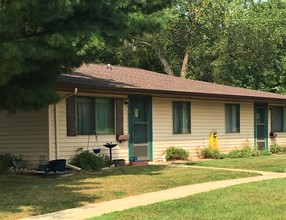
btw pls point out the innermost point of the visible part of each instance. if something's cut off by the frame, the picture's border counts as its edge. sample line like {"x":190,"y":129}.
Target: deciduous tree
{"x":252,"y":49}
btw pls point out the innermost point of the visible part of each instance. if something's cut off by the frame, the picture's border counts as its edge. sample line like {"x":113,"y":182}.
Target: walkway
{"x":153,"y":197}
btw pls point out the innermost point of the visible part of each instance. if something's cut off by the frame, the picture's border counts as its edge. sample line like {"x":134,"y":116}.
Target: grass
{"x":259,"y":200}
{"x":264,"y":163}
{"x":27,"y":195}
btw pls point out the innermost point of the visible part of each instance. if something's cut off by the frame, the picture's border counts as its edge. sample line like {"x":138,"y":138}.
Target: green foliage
{"x":188,"y":27}
{"x":210,"y":153}
{"x":265,"y":153}
{"x":246,"y":151}
{"x":174,"y":153}
{"x":41,"y":39}
{"x":210,"y":33}
{"x":256,"y":59}
{"x":89,"y":161}
{"x":17,"y":162}
{"x":278,"y":149}
{"x":5,"y":162}
{"x":11,"y":161}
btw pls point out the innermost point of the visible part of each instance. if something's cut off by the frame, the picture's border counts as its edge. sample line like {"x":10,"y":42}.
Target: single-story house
{"x":144,"y":113}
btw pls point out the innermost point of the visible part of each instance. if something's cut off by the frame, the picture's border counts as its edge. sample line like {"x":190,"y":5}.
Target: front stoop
{"x":138,"y":163}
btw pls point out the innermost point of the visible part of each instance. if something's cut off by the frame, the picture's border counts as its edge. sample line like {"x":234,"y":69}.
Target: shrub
{"x":265,"y":153}
{"x":277,"y":149}
{"x":5,"y":162}
{"x":173,"y":153}
{"x":246,"y":151}
{"x":211,"y":153}
{"x":11,"y":161}
{"x":17,"y":162}
{"x":89,"y":161}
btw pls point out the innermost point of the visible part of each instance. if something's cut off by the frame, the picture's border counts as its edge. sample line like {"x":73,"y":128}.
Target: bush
{"x":5,"y":162}
{"x":213,"y":154}
{"x":265,"y":153}
{"x":173,"y":153}
{"x":17,"y":162}
{"x":277,"y":149}
{"x":89,"y":161}
{"x":246,"y":151}
{"x":11,"y":161}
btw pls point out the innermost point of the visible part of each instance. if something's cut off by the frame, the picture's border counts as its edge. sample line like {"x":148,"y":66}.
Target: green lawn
{"x":264,"y":163}
{"x":26,"y":195}
{"x":259,"y":200}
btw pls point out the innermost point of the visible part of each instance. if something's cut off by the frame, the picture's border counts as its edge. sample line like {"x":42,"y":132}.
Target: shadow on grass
{"x":191,"y":163}
{"x":22,"y":196}
{"x":149,"y":170}
{"x":26,"y":195}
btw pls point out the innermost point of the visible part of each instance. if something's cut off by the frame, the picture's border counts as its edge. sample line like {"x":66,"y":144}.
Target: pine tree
{"x":41,"y":38}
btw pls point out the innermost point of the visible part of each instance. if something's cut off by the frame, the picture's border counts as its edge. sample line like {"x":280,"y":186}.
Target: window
{"x":181,"y":118}
{"x":232,"y":118}
{"x":95,"y":114}
{"x":278,"y":119}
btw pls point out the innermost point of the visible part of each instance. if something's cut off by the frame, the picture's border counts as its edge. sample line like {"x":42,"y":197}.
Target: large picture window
{"x":181,"y":117}
{"x":232,"y":118}
{"x":95,"y":115}
{"x":278,"y":119}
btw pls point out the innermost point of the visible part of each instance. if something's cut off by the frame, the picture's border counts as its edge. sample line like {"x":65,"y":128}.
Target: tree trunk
{"x":167,"y":67}
{"x":185,"y":65}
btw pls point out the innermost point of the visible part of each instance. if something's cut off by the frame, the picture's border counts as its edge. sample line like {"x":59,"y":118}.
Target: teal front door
{"x":261,"y":126}
{"x":140,"y":128}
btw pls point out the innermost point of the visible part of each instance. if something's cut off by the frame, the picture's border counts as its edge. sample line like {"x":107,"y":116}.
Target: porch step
{"x":138,"y":163}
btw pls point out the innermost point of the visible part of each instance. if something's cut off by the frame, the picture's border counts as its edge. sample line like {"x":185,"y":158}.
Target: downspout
{"x":69,"y":95}
{"x":49,"y":133}
{"x":56,"y":120}
{"x":56,"y":131}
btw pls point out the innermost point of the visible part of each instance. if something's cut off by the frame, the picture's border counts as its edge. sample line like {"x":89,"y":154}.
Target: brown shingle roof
{"x":99,"y":77}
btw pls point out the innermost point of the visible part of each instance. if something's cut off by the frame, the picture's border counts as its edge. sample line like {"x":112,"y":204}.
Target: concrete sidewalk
{"x":153,"y":197}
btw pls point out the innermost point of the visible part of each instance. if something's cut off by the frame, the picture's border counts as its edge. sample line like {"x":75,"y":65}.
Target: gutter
{"x":173,"y":94}
{"x":69,"y":95}
{"x":56,"y":122}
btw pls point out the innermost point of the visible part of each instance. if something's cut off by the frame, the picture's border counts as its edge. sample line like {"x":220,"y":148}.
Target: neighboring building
{"x":144,"y":113}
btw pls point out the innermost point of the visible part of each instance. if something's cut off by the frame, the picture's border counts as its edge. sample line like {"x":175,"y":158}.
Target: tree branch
{"x":185,"y":65}
{"x":167,"y":67}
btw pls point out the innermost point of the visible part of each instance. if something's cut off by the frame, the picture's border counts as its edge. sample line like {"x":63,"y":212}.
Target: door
{"x":261,"y":126}
{"x":140,"y":128}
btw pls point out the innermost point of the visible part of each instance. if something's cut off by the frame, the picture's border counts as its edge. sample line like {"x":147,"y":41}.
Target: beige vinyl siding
{"x":280,"y":139}
{"x":68,"y":145}
{"x":205,"y":117}
{"x":26,"y":134}
{"x":281,"y":136}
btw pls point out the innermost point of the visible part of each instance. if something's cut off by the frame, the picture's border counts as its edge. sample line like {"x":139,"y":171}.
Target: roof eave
{"x":66,"y":87}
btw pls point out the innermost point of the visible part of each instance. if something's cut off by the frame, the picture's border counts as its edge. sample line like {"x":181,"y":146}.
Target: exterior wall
{"x":281,"y":136}
{"x":67,"y":146}
{"x":280,"y":139}
{"x":26,"y":134}
{"x":205,"y":117}
{"x":44,"y":133}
